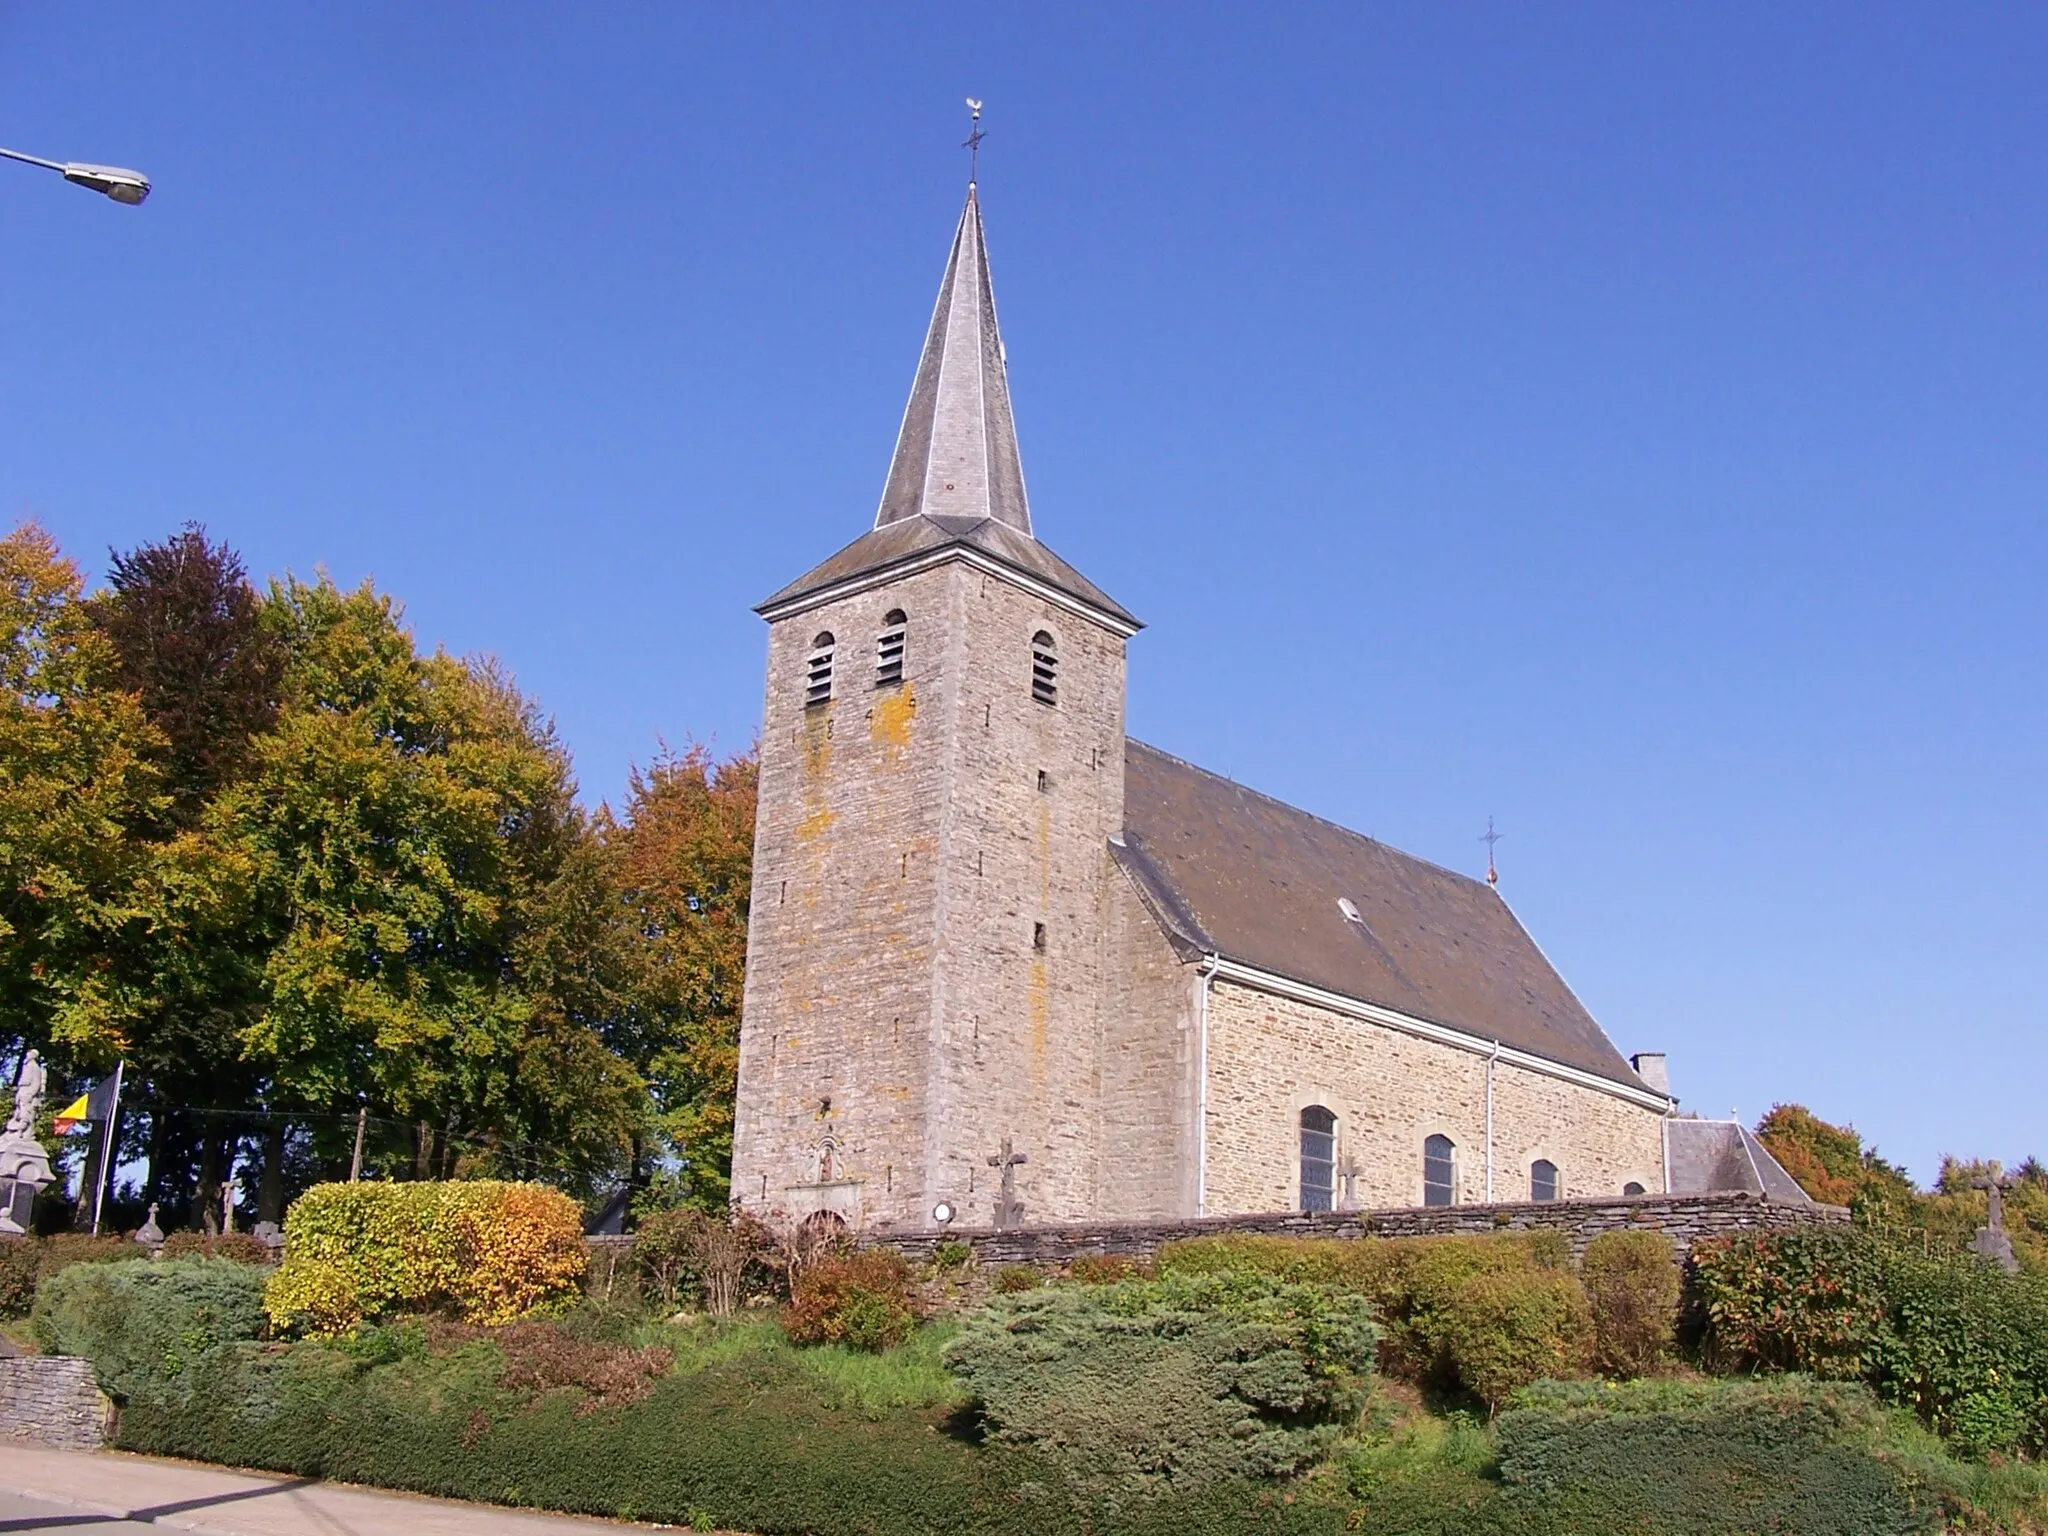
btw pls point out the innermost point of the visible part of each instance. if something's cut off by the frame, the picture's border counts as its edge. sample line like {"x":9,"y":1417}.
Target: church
{"x":1007,"y":965}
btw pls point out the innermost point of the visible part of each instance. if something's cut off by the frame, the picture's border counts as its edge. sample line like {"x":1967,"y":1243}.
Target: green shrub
{"x":1966,"y":1347}
{"x":1718,"y":1459}
{"x":149,"y":1326}
{"x":1502,"y":1330}
{"x":1180,"y":1382}
{"x":861,"y":1300}
{"x":1105,"y":1269}
{"x":1811,"y":1299}
{"x":1014,"y":1278}
{"x":684,"y":1254}
{"x":951,"y":1255}
{"x":1632,"y":1284}
{"x":485,"y":1251}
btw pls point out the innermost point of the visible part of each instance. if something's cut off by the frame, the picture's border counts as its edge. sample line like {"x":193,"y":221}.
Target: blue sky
{"x":1622,"y":420}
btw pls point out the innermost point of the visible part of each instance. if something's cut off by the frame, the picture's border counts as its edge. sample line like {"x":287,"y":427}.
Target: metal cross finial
{"x":972,"y":143}
{"x":1491,"y":837}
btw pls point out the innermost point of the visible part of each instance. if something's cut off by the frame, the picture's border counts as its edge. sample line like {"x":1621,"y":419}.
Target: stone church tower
{"x":942,"y":774}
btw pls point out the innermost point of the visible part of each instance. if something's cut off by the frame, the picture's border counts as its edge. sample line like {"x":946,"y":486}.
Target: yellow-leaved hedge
{"x":483,"y":1250}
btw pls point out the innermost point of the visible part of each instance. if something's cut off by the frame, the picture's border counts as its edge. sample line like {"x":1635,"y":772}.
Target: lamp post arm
{"x":48,"y":165}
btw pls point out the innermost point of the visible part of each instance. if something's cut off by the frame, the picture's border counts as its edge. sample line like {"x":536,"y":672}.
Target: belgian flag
{"x":87,"y":1108}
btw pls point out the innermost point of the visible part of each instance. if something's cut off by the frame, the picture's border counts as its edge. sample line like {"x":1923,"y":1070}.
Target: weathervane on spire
{"x":1491,"y":837}
{"x":972,"y":144}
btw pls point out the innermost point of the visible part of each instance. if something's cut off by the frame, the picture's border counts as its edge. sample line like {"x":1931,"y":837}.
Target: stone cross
{"x":1992,"y":1242}
{"x":1009,"y":1212}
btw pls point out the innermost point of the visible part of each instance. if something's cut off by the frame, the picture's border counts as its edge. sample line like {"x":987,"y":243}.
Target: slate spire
{"x":956,"y":455}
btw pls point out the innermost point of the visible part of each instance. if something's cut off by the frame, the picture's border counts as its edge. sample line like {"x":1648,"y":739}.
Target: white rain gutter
{"x":1490,"y":1060}
{"x":1202,"y":1086}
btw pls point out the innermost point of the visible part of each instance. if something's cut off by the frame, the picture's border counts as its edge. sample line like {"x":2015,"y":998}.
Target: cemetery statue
{"x":24,"y":1165}
{"x":28,"y":1096}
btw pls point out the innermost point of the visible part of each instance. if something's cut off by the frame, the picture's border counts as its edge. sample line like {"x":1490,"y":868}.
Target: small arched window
{"x":1439,"y":1171}
{"x":1633,"y":1188}
{"x":1045,"y":669}
{"x":1318,"y":1157}
{"x":818,"y":671}
{"x":1543,"y":1179}
{"x":889,"y":648}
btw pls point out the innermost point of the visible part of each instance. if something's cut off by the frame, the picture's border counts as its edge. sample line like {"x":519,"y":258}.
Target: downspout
{"x":1202,"y":1087}
{"x":1490,"y":1060}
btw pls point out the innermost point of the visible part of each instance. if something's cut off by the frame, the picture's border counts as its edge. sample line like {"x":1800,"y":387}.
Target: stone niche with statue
{"x":24,"y":1165}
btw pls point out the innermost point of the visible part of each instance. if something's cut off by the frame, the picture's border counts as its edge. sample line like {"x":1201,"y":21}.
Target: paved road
{"x":105,"y":1493}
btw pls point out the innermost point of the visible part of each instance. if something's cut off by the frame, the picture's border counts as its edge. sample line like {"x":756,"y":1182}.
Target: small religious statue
{"x":24,"y":1165}
{"x":1992,"y":1241}
{"x":1009,"y":1209}
{"x":28,"y":1096}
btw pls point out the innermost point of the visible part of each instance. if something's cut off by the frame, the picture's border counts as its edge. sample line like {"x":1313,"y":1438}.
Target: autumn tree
{"x":190,"y":643}
{"x":76,"y":771}
{"x":685,"y":860}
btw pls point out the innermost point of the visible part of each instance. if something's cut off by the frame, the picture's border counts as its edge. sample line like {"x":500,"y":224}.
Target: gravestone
{"x":24,"y":1165}
{"x":1992,"y":1241}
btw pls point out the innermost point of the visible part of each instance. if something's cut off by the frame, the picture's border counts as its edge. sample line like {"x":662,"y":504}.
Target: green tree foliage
{"x":684,"y":859}
{"x":77,"y":771}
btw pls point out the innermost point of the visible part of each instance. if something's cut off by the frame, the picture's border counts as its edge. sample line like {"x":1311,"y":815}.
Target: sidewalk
{"x":185,"y":1496}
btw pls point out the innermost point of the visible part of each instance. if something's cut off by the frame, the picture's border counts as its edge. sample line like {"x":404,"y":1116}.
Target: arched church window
{"x":1439,"y":1171}
{"x":1543,"y":1179}
{"x":889,"y":648}
{"x":1318,"y":1157}
{"x":1633,"y":1188}
{"x":1045,"y":669}
{"x":818,"y":670}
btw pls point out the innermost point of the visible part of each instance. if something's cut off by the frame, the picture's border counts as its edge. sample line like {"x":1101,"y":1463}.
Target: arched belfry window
{"x":1439,"y":1171}
{"x":1543,"y":1179}
{"x":1632,"y":1188}
{"x":1045,"y":669}
{"x":890,"y":646}
{"x":818,"y":670}
{"x":1318,"y":1157}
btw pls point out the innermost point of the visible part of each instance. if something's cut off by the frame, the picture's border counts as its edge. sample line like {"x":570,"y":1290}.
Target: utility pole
{"x":355,"y":1164}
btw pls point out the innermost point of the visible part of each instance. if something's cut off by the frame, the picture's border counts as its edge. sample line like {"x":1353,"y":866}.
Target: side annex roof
{"x":1231,"y":872}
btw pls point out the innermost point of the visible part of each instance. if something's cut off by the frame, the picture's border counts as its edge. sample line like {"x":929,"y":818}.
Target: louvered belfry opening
{"x":1045,"y":669}
{"x":818,"y":671}
{"x":1318,"y":1157}
{"x":890,"y":646}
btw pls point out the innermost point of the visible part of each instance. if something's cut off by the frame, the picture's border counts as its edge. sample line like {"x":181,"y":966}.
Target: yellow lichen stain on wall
{"x":1037,"y":1003}
{"x":889,"y":723}
{"x":816,"y":823}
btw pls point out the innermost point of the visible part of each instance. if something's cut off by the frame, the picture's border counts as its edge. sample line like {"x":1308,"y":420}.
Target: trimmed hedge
{"x":1704,"y":1459}
{"x":483,"y":1250}
{"x":1147,"y":1384}
{"x":1632,"y":1282}
{"x":153,"y":1329}
{"x":744,"y":1444}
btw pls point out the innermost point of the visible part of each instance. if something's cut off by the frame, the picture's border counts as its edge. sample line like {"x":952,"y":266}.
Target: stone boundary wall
{"x":53,"y":1399}
{"x":1685,"y":1219}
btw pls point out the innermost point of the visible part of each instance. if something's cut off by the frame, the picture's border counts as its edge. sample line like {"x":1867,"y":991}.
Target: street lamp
{"x":129,"y":187}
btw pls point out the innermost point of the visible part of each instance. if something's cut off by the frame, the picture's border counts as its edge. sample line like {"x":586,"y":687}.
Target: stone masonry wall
{"x":1685,"y":1219}
{"x":1270,"y":1057}
{"x":53,"y":1399}
{"x":1150,"y":1069}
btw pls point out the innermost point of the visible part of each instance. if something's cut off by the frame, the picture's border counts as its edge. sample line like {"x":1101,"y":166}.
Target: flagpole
{"x":99,"y":1193}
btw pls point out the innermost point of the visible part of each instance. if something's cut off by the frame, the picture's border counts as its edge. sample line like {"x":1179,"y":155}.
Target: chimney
{"x":1649,"y":1067}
